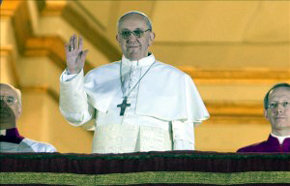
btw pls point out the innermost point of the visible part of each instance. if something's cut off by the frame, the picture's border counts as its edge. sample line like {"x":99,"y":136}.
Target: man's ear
{"x":266,"y":114}
{"x":152,"y":37}
{"x":19,"y":111}
{"x":118,"y":38}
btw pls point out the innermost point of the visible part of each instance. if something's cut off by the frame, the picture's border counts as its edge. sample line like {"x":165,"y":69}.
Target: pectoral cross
{"x":123,"y":106}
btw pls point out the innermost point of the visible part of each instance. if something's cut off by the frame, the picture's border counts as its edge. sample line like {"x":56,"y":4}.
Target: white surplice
{"x":163,"y":106}
{"x":26,"y":145}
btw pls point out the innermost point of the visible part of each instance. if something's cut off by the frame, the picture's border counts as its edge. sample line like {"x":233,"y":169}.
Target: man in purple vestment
{"x":277,"y":112}
{"x":10,"y":111}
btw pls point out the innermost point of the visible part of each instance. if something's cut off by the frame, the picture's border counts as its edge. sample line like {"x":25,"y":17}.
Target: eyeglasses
{"x":138,"y":33}
{"x":10,"y":100}
{"x":274,"y":105}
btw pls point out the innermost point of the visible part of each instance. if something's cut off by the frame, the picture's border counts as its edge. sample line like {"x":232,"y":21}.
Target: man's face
{"x":279,"y":114}
{"x":134,"y":48}
{"x":10,"y":109}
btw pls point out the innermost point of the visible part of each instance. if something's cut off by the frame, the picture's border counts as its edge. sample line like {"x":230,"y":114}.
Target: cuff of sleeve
{"x":65,"y":76}
{"x":183,"y":135}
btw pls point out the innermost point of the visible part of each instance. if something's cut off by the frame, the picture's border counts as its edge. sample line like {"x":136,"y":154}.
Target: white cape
{"x":165,"y":92}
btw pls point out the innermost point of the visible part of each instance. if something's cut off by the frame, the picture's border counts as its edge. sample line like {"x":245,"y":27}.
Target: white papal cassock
{"x":164,"y":106}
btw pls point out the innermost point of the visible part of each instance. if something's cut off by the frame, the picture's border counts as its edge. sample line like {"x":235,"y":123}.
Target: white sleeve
{"x":73,"y":101}
{"x":66,"y":76}
{"x":183,"y":135}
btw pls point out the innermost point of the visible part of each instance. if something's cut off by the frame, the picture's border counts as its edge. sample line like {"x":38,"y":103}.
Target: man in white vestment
{"x":10,"y":139}
{"x":139,"y":103}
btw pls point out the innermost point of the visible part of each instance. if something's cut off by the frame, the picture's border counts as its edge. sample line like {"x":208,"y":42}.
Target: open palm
{"x":75,"y":55}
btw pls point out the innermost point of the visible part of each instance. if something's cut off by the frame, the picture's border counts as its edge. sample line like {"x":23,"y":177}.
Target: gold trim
{"x":148,"y":177}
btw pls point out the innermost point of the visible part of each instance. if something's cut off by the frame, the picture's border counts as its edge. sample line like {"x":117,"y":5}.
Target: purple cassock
{"x":271,"y":145}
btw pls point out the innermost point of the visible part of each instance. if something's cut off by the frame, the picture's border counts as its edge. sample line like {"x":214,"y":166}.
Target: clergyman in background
{"x":10,"y":111}
{"x":277,"y":112}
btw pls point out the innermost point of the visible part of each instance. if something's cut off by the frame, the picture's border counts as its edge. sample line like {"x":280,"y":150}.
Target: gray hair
{"x":17,"y":91}
{"x":146,"y":18}
{"x":266,"y":98}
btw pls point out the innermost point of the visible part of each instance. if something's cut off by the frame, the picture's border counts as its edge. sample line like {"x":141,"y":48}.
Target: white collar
{"x":280,"y":138}
{"x":145,"y":61}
